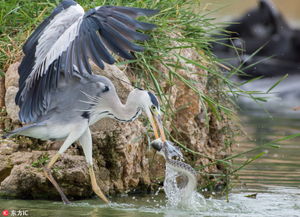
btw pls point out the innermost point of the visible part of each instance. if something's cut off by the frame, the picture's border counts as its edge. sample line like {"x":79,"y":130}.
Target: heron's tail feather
{"x":7,"y":135}
{"x":20,"y":130}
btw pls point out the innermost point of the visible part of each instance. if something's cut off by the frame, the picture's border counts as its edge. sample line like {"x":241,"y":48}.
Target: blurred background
{"x":227,"y":10}
{"x":272,"y":29}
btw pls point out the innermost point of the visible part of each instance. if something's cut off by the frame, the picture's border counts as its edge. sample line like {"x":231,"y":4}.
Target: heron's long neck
{"x":128,"y":111}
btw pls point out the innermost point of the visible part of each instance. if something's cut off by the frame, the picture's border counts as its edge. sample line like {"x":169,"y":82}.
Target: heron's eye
{"x":106,"y":88}
{"x":153,"y":107}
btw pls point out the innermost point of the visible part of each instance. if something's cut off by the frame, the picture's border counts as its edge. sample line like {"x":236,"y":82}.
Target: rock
{"x":2,"y":92}
{"x":22,"y":180}
{"x":8,"y":147}
{"x":11,"y":89}
{"x":12,"y":76}
{"x":5,"y":167}
{"x":193,"y":125}
{"x":11,"y":108}
{"x":2,"y":103}
{"x":122,"y":148}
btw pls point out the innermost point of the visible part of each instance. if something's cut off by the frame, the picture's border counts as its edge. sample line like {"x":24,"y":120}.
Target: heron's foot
{"x":49,"y":176}
{"x":95,"y":186}
{"x":100,"y":194}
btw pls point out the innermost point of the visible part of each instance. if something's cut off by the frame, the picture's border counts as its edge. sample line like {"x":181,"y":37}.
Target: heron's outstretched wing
{"x":67,"y":40}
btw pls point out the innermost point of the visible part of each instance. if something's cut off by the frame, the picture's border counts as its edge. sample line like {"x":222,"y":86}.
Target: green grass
{"x":41,"y":161}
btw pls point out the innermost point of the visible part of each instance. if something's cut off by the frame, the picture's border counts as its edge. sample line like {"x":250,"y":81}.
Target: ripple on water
{"x":274,"y":201}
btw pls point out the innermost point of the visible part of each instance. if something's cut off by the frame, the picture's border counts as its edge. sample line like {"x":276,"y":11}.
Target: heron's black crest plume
{"x":86,"y":115}
{"x":153,"y":99}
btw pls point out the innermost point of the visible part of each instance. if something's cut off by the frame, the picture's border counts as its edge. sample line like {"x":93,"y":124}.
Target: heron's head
{"x":150,"y":105}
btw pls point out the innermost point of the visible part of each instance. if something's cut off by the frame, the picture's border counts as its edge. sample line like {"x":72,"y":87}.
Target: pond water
{"x":279,"y":166}
{"x":274,"y":201}
{"x":274,"y":178}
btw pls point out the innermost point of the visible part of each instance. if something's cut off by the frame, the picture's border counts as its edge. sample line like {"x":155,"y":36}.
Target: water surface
{"x":275,"y":201}
{"x":278,"y":167}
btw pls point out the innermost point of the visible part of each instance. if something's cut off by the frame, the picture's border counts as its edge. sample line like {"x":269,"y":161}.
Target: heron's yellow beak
{"x":156,"y":123}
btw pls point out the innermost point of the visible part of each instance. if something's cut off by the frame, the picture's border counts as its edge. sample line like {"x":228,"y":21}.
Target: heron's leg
{"x":73,"y":136}
{"x":86,"y":142}
{"x":49,"y":176}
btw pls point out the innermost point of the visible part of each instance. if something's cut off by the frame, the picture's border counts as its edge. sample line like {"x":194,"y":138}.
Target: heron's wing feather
{"x":31,"y":42}
{"x":30,"y":45}
{"x":40,"y":68}
{"x":112,"y":28}
{"x":66,"y":41}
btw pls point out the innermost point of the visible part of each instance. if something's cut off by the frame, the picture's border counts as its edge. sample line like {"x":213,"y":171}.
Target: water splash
{"x":180,"y":178}
{"x":181,"y":191}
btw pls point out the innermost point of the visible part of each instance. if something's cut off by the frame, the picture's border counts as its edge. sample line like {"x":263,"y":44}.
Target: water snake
{"x":188,"y":184}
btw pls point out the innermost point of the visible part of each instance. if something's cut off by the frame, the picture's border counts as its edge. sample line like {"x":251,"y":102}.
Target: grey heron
{"x":59,"y":96}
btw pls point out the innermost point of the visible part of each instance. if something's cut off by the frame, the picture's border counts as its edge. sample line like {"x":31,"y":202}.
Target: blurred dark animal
{"x":262,"y":41}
